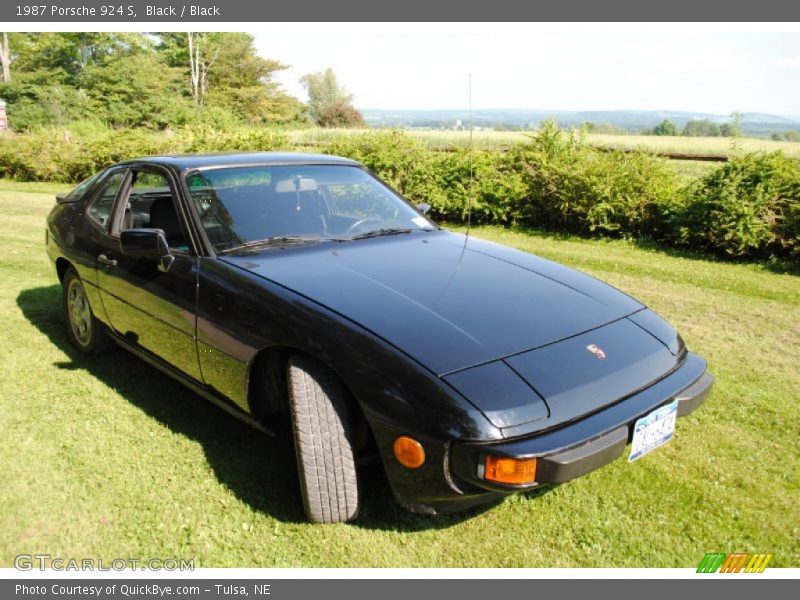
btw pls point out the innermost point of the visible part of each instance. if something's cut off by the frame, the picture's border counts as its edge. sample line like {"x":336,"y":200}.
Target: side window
{"x":151,"y":205}
{"x":103,"y":204}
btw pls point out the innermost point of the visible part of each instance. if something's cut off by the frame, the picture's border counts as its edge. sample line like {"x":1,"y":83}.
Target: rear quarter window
{"x":103,"y":203}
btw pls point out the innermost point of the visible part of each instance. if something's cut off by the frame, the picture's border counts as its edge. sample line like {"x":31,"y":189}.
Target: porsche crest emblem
{"x":596,"y":350}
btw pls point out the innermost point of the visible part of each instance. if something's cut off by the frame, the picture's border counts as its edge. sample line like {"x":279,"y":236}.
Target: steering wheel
{"x":357,"y":225}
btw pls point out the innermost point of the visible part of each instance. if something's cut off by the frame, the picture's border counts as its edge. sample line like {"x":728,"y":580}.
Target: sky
{"x":566,"y":67}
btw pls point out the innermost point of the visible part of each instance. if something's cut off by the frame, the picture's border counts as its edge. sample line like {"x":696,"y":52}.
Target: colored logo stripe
{"x":736,"y":562}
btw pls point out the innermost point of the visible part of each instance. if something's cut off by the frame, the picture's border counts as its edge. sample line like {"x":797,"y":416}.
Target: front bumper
{"x":563,"y":453}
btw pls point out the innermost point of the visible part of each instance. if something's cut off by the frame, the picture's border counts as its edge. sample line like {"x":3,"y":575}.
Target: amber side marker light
{"x":408,"y":452}
{"x":510,"y":470}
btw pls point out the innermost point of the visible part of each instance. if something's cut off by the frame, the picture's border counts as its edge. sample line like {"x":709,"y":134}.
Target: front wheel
{"x":83,"y":330}
{"x":323,"y":442}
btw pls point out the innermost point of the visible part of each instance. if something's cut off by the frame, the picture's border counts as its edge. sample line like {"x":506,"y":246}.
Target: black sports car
{"x":301,"y":284}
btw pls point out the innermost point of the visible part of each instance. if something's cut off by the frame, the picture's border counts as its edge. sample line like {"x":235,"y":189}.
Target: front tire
{"x":84,"y":331}
{"x":323,"y":442}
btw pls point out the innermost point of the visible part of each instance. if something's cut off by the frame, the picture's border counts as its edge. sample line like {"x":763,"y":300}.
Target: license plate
{"x":654,"y":430}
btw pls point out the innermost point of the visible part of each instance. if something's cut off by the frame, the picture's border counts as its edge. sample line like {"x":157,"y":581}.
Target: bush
{"x":245,"y":140}
{"x":441,"y":179}
{"x":748,"y":207}
{"x":575,"y":188}
{"x":58,"y":155}
{"x":340,"y":114}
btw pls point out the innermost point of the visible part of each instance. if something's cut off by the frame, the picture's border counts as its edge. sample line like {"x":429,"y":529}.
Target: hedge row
{"x":749,"y":207}
{"x":56,"y":155}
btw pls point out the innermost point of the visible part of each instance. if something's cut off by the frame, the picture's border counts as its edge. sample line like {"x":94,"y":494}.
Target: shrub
{"x":441,"y":179}
{"x":58,"y":155}
{"x":748,"y":207}
{"x":340,"y":114}
{"x":576,"y":188}
{"x":245,"y":140}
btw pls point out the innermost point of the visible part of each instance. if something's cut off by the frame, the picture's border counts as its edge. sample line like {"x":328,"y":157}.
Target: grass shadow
{"x":259,"y":469}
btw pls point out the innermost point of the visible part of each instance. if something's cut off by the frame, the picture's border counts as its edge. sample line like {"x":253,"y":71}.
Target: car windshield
{"x":247,"y":207}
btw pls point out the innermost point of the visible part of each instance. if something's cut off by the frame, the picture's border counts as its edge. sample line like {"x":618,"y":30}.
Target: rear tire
{"x":323,"y":442}
{"x":85,"y":332}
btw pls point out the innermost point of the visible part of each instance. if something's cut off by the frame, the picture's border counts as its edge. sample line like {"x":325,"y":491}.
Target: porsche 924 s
{"x":302,"y":285}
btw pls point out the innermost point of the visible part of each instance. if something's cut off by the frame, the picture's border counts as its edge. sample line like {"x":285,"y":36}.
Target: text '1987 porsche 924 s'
{"x":302,"y":285}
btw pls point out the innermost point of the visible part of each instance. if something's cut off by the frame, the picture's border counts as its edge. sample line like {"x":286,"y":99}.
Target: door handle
{"x":105,"y":260}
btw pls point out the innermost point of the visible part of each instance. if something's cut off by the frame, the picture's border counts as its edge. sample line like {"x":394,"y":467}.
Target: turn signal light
{"x":408,"y":452}
{"x":510,"y":470}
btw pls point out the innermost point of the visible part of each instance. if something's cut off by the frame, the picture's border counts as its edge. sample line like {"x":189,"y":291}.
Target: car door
{"x":153,"y":309}
{"x":92,"y":235}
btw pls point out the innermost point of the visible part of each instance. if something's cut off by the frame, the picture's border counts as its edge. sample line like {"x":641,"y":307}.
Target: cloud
{"x":791,"y":63}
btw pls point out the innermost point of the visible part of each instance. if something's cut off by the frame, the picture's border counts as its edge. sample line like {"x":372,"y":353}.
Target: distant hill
{"x":635,"y":121}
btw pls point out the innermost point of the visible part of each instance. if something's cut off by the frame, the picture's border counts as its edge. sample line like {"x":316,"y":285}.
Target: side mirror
{"x":423,"y":208}
{"x":147,"y":243}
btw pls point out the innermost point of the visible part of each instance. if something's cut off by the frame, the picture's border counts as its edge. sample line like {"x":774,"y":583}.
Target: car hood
{"x":446,"y":304}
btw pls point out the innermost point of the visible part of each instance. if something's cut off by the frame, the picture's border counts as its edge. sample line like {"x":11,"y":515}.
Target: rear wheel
{"x":323,"y":442}
{"x":83,"y":330}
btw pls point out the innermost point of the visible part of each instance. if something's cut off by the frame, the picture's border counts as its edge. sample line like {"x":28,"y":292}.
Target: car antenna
{"x":471,"y":166}
{"x":469,"y":201}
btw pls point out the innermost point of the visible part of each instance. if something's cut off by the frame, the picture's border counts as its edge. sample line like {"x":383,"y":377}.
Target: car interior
{"x":152,"y":206}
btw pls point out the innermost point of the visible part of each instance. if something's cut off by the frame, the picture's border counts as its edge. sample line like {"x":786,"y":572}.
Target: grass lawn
{"x":108,"y":458}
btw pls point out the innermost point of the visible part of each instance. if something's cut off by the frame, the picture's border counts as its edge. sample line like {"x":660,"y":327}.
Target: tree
{"x":225,"y":73}
{"x":666,"y":127}
{"x":5,"y":59}
{"x":701,"y":128}
{"x":203,"y":53}
{"x":340,"y":114}
{"x":150,"y":80}
{"x":324,"y":92}
{"x":138,"y":90}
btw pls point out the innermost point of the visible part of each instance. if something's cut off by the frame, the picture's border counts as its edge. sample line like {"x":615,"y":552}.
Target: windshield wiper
{"x":381,"y":232}
{"x":271,"y":241}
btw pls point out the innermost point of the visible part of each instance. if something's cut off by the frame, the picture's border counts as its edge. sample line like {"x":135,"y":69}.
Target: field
{"x":108,"y":458}
{"x":502,"y":139}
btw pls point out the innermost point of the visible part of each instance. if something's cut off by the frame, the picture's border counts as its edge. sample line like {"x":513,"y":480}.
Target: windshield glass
{"x":241,"y":206}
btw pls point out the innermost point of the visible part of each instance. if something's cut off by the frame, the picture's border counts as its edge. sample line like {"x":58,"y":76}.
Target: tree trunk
{"x":199,"y":68}
{"x":194,"y":59}
{"x":5,"y":59}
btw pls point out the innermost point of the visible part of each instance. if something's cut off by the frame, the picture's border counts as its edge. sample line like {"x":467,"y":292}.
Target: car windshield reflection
{"x":269,"y":206}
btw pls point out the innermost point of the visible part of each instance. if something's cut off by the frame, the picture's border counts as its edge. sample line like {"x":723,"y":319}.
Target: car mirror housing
{"x":147,"y":243}
{"x":424,"y":208}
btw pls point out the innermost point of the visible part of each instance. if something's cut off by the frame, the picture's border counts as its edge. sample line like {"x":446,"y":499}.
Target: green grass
{"x":108,"y":458}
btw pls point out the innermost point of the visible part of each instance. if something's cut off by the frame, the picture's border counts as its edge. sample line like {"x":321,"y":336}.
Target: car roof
{"x":182,"y":162}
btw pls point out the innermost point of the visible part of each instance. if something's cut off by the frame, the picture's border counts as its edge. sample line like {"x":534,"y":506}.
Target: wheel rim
{"x":80,"y":315}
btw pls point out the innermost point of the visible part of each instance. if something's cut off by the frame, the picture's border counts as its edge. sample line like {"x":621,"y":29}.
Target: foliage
{"x":789,"y":136}
{"x":576,"y":188}
{"x":605,"y":128}
{"x":324,"y":90}
{"x":340,"y":114}
{"x":749,"y":207}
{"x":141,"y":80}
{"x":552,"y":181}
{"x":701,"y":128}
{"x":329,"y":104}
{"x":57,"y":155}
{"x":666,"y":127}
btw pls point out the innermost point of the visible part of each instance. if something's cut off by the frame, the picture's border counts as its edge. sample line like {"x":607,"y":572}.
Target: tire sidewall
{"x":92,"y":346}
